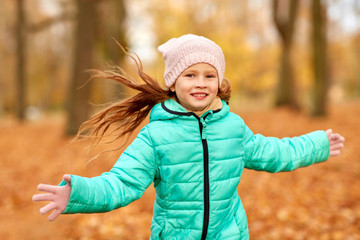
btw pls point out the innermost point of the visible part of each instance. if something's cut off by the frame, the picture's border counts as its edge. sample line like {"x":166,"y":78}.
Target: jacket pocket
{"x":242,"y":227}
{"x":157,"y":230}
{"x":163,"y":233}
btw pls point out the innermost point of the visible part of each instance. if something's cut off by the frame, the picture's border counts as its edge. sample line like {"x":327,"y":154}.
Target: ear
{"x":172,"y":88}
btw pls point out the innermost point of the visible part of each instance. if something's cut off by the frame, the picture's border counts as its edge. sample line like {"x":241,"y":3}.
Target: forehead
{"x":201,"y":67}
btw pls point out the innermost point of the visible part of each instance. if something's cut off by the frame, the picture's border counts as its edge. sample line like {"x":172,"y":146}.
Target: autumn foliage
{"x":318,"y":202}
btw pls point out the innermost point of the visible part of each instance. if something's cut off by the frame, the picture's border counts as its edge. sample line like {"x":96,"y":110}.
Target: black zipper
{"x":206,"y":182}
{"x":206,"y":167}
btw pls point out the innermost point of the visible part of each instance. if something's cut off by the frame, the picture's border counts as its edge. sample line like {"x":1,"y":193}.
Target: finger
{"x":335,"y":136}
{"x":340,"y":139}
{"x":54,"y":215}
{"x":47,"y":188}
{"x":337,"y":146}
{"x":43,"y":197}
{"x":67,"y":179}
{"x":328,"y":132}
{"x":335,"y":153}
{"x":337,"y":141}
{"x":48,"y":208}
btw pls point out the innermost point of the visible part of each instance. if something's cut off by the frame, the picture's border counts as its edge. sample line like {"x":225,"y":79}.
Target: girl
{"x":194,"y":150}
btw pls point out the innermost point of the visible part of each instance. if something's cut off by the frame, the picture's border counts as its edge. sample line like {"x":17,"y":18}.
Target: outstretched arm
{"x":336,"y":143}
{"x":287,"y":154}
{"x":57,"y":195}
{"x":125,"y":182}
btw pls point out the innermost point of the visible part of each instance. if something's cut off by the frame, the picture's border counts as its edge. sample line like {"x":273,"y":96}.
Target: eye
{"x":190,"y":75}
{"x":211,"y":76}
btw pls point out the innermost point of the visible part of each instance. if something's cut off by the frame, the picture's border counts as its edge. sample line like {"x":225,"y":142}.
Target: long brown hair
{"x":127,"y":115}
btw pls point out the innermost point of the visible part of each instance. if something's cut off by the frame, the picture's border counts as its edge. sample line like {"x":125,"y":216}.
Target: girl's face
{"x":197,"y":86}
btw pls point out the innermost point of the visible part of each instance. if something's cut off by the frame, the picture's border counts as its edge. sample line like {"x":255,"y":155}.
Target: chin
{"x":198,"y":108}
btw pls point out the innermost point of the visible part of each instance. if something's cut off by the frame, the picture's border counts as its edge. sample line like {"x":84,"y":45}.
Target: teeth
{"x":199,"y":95}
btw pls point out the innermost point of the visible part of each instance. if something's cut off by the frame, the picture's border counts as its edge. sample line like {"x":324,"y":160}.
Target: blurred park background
{"x":294,"y":67}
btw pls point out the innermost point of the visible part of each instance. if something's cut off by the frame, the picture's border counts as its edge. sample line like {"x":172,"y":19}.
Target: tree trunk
{"x":21,"y":60}
{"x":115,"y":29}
{"x":286,"y":93}
{"x":284,"y":18}
{"x":357,"y":47}
{"x":320,"y":58}
{"x":79,"y":88}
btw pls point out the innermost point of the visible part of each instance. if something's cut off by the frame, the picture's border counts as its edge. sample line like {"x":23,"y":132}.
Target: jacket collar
{"x":170,"y":109}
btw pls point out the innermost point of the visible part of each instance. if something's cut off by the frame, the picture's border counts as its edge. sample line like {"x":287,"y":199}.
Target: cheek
{"x":214,"y":88}
{"x":182,"y":87}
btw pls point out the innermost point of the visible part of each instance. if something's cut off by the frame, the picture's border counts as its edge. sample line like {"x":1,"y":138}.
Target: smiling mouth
{"x":199,"y":95}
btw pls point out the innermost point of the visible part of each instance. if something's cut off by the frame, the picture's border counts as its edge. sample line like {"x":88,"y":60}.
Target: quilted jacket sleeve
{"x":275,"y":155}
{"x":126,"y":181}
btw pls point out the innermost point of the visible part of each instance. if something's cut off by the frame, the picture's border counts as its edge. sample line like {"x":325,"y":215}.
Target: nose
{"x":201,"y":82}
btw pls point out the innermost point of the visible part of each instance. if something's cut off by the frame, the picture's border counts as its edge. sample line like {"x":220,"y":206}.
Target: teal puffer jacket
{"x":195,"y":165}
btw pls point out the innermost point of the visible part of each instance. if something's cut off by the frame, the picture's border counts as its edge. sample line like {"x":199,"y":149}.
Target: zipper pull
{"x":204,"y":125}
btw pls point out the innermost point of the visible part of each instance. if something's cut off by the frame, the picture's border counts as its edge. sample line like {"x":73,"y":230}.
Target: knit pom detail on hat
{"x":187,"y":50}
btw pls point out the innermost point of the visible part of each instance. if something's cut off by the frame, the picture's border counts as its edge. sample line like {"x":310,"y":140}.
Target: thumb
{"x":328,"y":132}
{"x":67,"y":178}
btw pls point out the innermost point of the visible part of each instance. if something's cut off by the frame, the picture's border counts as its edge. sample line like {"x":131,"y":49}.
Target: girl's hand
{"x":57,"y":195}
{"x":336,"y":143}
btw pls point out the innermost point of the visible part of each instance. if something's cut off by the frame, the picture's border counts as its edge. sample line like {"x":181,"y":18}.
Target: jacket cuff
{"x":321,"y":143}
{"x":74,"y":205}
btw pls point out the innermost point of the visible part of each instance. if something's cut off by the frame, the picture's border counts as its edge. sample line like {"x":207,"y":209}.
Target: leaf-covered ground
{"x":319,"y":202}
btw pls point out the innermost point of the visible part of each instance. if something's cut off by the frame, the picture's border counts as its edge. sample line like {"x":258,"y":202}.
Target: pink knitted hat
{"x":187,"y":50}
